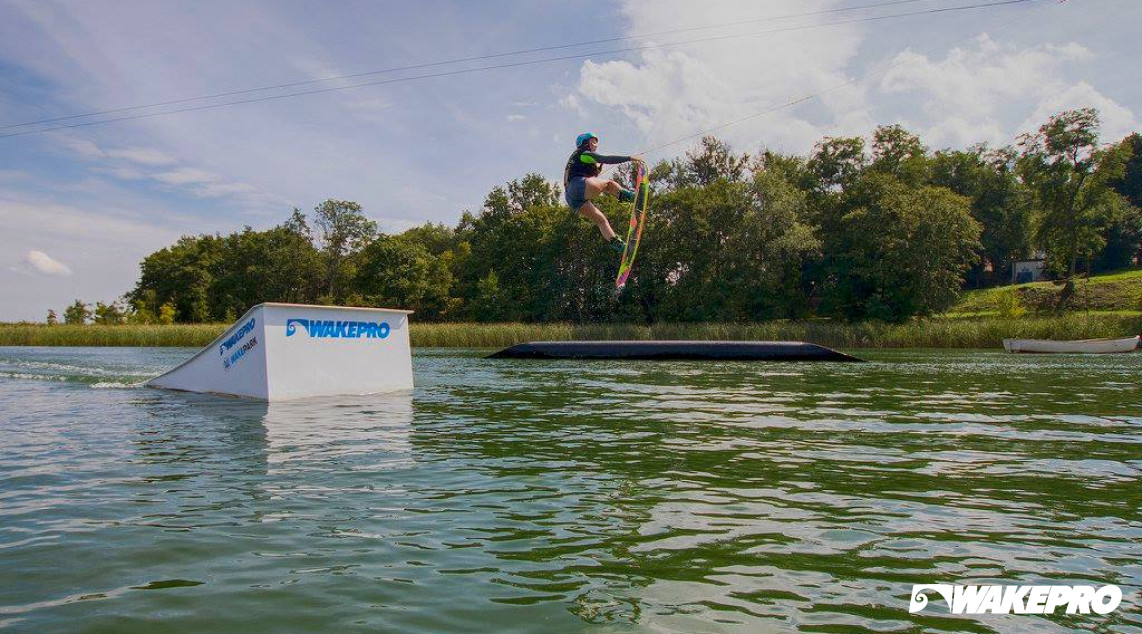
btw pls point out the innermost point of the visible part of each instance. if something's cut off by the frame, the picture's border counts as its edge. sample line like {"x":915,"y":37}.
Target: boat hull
{"x":1081,"y":346}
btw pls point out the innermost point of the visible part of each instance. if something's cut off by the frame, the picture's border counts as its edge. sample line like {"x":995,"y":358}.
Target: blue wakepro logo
{"x":238,"y":335}
{"x":337,"y":329}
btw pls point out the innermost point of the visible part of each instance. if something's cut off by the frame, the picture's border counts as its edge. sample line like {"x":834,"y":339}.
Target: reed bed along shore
{"x":939,"y":332}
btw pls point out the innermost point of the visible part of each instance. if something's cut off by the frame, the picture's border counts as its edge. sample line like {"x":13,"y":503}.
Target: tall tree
{"x":182,"y":275}
{"x":215,"y":278}
{"x":1001,"y":204}
{"x":838,"y":162}
{"x":898,"y":152}
{"x":507,"y":238}
{"x":77,"y":314}
{"x":342,"y":229}
{"x":1060,"y":162}
{"x":1124,"y":234}
{"x":109,"y":314}
{"x":712,"y":161}
{"x":901,"y":250}
{"x":399,"y":272}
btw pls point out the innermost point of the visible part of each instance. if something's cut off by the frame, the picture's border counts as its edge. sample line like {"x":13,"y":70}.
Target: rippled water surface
{"x":524,"y":496}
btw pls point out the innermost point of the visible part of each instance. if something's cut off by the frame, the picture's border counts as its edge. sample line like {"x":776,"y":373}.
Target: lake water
{"x":524,"y":496}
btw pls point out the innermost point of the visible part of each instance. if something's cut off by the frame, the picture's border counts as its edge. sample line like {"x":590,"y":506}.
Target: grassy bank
{"x":942,"y":332}
{"x":1113,"y":292}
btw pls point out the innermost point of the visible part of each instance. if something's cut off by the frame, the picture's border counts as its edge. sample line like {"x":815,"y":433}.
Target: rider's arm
{"x":592,"y":158}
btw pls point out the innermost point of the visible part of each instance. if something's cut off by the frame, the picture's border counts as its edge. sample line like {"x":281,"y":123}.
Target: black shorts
{"x":576,"y":193}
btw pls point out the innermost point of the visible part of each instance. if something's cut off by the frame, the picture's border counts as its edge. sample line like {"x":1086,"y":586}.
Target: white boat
{"x":1080,"y":346}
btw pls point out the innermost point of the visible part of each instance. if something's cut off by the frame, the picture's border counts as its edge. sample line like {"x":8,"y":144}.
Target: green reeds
{"x":939,"y":332}
{"x":175,"y":335}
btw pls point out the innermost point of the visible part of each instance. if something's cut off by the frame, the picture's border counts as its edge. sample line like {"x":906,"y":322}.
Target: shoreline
{"x":938,"y":332}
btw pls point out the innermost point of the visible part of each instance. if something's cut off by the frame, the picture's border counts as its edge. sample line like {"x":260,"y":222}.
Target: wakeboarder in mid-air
{"x":582,"y":184}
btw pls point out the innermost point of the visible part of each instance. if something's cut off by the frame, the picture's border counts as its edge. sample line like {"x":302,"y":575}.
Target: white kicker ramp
{"x":285,"y":351}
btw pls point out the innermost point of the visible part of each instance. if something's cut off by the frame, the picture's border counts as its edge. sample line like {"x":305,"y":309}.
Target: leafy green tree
{"x":838,"y":162}
{"x":728,"y":251}
{"x":399,"y":272}
{"x":1129,"y":184}
{"x":437,"y":238}
{"x":1123,"y":235}
{"x":902,"y":251}
{"x":211,"y":278}
{"x":507,"y":238}
{"x":573,"y":269}
{"x":490,"y":303}
{"x":1001,"y":204}
{"x":77,"y":314}
{"x":342,"y":230}
{"x":53,"y":319}
{"x":714,"y":160}
{"x":1062,"y":162}
{"x":183,"y":275}
{"x":167,"y":314}
{"x":109,"y":314}
{"x":298,"y":224}
{"x":531,"y":191}
{"x":780,"y":245}
{"x":144,"y":308}
{"x":900,"y":153}
{"x":790,"y":168}
{"x":279,"y":264}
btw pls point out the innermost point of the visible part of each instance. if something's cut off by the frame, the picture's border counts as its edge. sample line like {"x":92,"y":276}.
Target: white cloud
{"x":670,"y":93}
{"x":82,"y":148}
{"x":124,"y":173}
{"x":43,"y":263}
{"x":972,"y":94}
{"x":364,"y":103}
{"x":142,"y":156}
{"x":218,"y":190}
{"x":205,"y":184}
{"x":186,"y":176}
{"x":137,"y":163}
{"x":1118,"y":121}
{"x":982,"y":90}
{"x":74,"y":228}
{"x":515,"y":117}
{"x":571,"y":102}
{"x":103,"y":247}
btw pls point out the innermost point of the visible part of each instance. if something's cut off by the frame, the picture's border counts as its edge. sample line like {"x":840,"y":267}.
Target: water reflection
{"x":755,"y":495}
{"x":330,"y":430}
{"x":528,"y":496}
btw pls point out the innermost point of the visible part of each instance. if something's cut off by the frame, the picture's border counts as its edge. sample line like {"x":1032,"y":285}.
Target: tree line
{"x":882,"y":228}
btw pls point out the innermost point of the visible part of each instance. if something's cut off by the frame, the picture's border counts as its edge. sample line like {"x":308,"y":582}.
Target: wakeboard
{"x":637,"y":222}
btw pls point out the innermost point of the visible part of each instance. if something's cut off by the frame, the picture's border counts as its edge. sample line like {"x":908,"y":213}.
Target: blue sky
{"x":82,"y":206}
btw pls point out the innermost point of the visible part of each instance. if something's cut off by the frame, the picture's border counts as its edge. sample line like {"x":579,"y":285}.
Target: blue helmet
{"x":583,"y":138}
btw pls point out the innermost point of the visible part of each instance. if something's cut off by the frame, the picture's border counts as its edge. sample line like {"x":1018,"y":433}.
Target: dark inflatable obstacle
{"x":674,"y":351}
